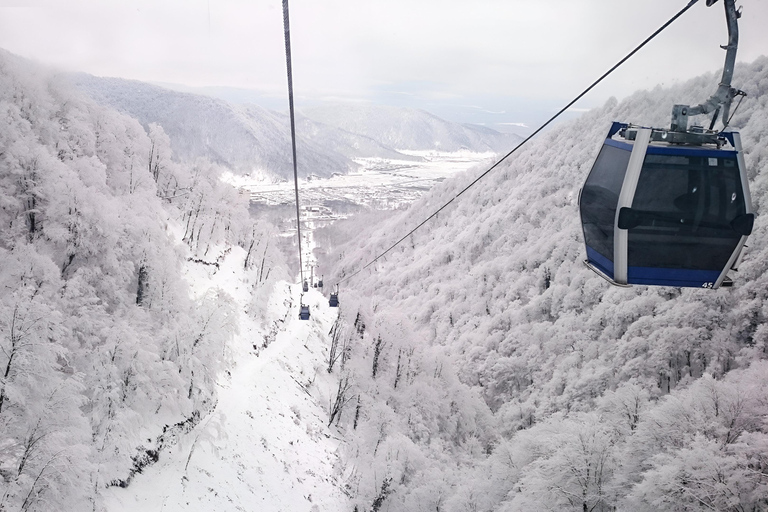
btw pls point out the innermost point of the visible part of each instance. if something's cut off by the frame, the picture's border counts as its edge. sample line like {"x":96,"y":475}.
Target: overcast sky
{"x":492,"y":61}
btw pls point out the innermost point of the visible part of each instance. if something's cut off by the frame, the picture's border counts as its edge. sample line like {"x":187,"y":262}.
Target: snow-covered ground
{"x":380,"y":183}
{"x":266,"y":446}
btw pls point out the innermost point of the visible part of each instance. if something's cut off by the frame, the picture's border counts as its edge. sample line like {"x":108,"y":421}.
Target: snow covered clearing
{"x":266,"y":446}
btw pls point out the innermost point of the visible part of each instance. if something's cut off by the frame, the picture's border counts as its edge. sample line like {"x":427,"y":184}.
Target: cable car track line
{"x":287,"y":30}
{"x":539,"y":129}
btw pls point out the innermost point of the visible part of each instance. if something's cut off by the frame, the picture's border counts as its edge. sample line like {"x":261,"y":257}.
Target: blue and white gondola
{"x":664,"y":213}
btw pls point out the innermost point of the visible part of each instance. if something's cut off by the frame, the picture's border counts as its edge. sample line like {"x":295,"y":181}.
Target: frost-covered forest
{"x":106,"y":355}
{"x":484,"y":367}
{"x":479,"y":367}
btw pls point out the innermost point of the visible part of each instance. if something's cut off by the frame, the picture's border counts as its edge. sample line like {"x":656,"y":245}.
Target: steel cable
{"x":484,"y":174}
{"x":287,"y":30}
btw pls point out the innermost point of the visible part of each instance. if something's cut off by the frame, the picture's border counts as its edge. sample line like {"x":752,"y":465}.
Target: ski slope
{"x":266,"y":446}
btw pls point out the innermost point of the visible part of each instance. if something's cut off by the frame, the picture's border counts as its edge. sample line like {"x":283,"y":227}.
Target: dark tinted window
{"x":600,"y":196}
{"x":686,"y":204}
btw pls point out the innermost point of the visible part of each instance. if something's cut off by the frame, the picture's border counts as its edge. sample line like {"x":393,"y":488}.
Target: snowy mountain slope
{"x":266,"y":445}
{"x":248,"y":137}
{"x":108,"y":354}
{"x":411,"y":129}
{"x":242,"y":138}
{"x":351,"y":145}
{"x":497,"y":280}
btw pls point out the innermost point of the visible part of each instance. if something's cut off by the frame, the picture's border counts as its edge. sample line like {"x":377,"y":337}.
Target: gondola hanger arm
{"x":720,"y":101}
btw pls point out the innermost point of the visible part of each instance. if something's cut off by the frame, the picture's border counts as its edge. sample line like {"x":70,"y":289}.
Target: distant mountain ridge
{"x":411,"y":129}
{"x":247,"y":138}
{"x":242,"y":138}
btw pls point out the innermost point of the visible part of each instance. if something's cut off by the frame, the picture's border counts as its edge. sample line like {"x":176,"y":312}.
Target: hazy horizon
{"x":504,"y":66}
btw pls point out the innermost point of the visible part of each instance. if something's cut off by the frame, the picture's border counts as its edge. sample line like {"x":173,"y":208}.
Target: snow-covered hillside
{"x":577,"y":395}
{"x":266,"y":445}
{"x":246,"y":139}
{"x":151,"y":356}
{"x":411,"y":129}
{"x":136,"y":291}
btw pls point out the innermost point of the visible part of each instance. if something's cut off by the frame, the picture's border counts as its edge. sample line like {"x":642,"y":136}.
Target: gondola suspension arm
{"x":721,"y":100}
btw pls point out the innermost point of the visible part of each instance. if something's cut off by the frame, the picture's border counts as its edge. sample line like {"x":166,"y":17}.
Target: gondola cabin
{"x":333,"y":301}
{"x":320,"y":283}
{"x":657,"y":210}
{"x":304,"y":313}
{"x":305,"y":286}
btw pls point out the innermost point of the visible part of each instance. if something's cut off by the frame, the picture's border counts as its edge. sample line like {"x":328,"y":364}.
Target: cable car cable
{"x":539,"y":129}
{"x":287,"y":30}
{"x":671,"y":207}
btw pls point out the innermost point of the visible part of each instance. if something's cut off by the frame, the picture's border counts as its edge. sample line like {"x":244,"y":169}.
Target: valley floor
{"x":266,"y":446}
{"x":379,"y":183}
